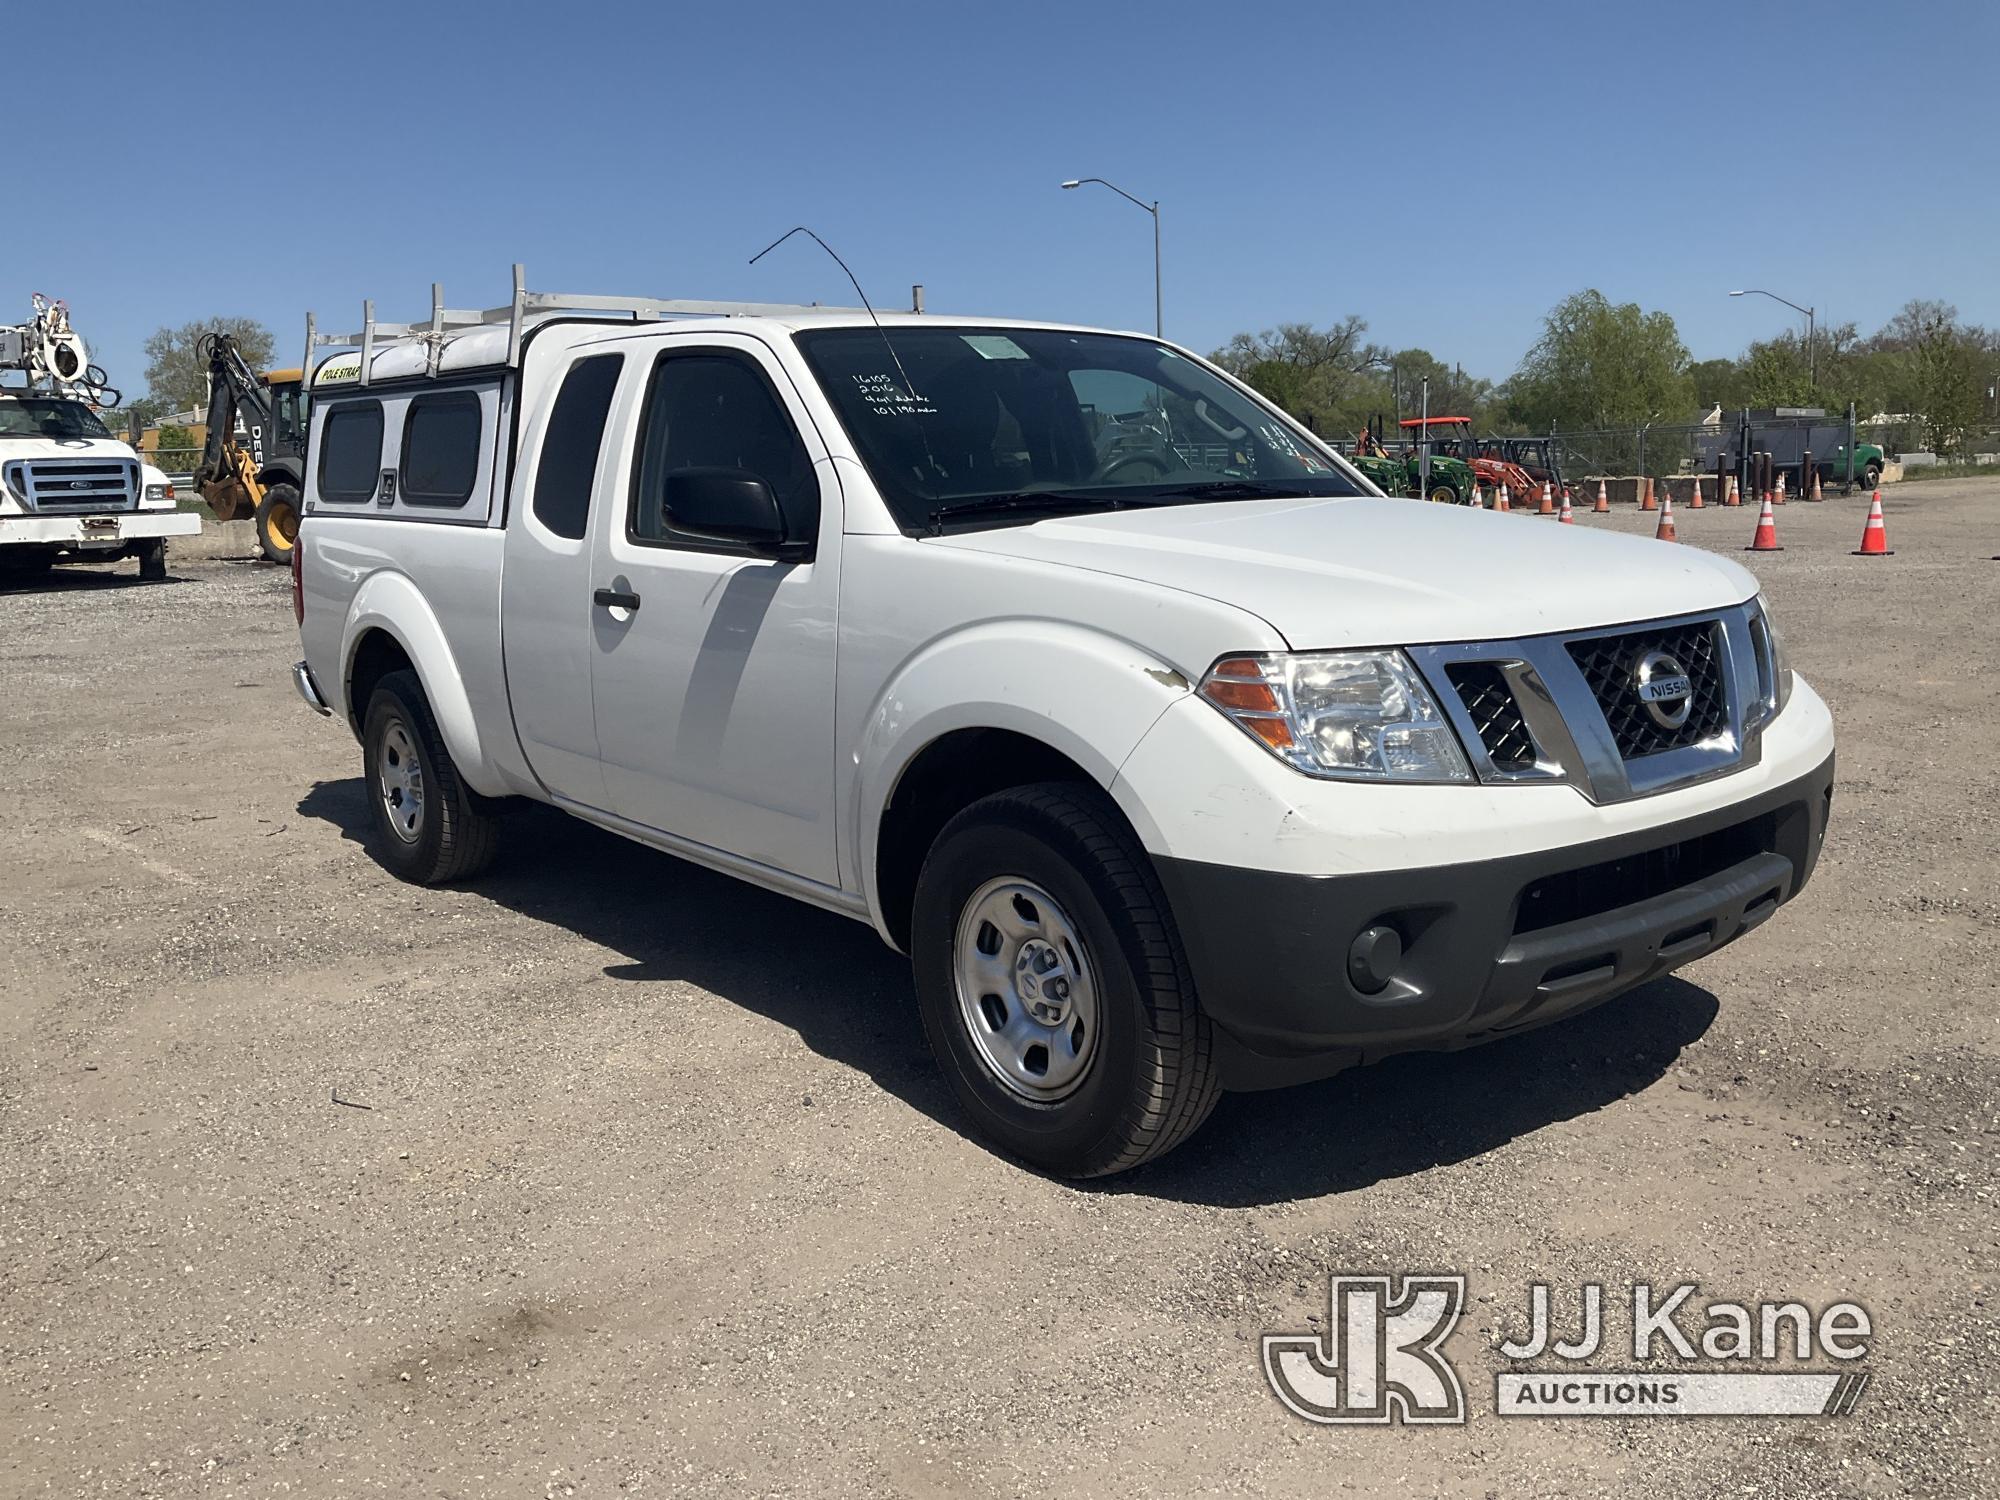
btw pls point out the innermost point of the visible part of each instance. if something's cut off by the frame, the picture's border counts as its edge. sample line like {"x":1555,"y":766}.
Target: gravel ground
{"x":608,"y":1175}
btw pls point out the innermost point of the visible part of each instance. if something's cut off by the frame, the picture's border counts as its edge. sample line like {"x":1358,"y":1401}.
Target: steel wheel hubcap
{"x":400,"y":776}
{"x":1026,"y":991}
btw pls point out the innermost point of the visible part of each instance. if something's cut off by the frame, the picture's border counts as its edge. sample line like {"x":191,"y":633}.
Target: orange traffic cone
{"x":1734,"y":498}
{"x":1501,"y":502}
{"x":1766,"y":539}
{"x":1696,"y":503}
{"x":1548,"y":506}
{"x":1666,"y":532}
{"x":1874,"y":538}
{"x":1780,"y":497}
{"x":1478,"y":501}
{"x":1817,"y":494}
{"x":1646,"y":500}
{"x":1563,"y":517}
{"x":1603,"y":506}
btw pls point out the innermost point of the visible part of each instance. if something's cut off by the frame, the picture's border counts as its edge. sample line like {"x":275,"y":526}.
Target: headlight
{"x":1772,"y":661}
{"x":159,"y":494}
{"x":1350,"y":715}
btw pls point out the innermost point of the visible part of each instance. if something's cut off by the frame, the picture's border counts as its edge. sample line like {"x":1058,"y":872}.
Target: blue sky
{"x":1307,"y":164}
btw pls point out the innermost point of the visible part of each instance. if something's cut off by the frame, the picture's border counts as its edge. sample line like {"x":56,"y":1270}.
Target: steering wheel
{"x":1162,"y":464}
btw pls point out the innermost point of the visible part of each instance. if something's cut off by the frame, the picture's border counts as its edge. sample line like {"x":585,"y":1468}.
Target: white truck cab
{"x":68,"y":488}
{"x":1176,"y":756}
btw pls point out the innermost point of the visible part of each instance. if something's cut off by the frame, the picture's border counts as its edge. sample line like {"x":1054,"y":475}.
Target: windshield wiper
{"x":1053,"y":501}
{"x":1232,"y":489}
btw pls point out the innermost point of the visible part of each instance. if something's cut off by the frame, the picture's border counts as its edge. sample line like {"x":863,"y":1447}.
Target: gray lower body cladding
{"x":1299,"y":978}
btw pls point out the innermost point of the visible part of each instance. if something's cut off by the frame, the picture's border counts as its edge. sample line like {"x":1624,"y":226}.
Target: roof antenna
{"x":908,"y":384}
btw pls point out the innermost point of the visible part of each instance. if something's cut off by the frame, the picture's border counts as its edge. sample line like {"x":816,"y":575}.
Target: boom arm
{"x":232,"y":387}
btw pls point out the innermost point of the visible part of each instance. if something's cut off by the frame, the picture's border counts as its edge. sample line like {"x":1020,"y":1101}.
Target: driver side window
{"x":716,"y":411}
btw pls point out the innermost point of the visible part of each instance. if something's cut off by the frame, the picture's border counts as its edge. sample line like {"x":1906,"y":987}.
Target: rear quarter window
{"x":570,"y":446}
{"x":350,"y":452}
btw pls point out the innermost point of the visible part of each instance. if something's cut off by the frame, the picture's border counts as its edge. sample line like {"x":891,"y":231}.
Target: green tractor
{"x":1402,"y":473}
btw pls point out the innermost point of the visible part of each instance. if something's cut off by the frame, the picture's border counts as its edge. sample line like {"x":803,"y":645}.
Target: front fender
{"x":1086,"y":694}
{"x":391,"y":603}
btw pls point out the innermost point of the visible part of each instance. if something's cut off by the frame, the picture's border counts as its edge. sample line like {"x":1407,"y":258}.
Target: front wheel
{"x":153,"y":560}
{"x":277,"y":522}
{"x":1871,"y":476}
{"x":1052,"y":984}
{"x":430,"y":827}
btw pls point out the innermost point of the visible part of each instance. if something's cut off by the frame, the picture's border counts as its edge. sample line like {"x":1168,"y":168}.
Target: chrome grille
{"x":1495,"y":714}
{"x":76,"y":484}
{"x":1568,"y":708}
{"x":1610,"y":663}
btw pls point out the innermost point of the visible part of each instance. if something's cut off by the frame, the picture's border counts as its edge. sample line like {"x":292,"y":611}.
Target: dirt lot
{"x":644,"y":1182}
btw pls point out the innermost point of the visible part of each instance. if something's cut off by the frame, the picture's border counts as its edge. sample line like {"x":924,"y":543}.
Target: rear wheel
{"x":1443,"y":494}
{"x":1052,"y":984}
{"x":277,"y":522}
{"x":430,"y":826}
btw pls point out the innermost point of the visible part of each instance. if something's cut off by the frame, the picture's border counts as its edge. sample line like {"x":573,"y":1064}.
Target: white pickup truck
{"x":68,"y":488}
{"x":1176,"y":756}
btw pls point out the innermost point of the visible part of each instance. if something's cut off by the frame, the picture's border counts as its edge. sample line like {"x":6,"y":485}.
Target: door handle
{"x":614,"y":599}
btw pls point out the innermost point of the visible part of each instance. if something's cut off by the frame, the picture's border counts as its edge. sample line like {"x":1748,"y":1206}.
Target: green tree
{"x":1719,"y":382}
{"x":1310,"y":372}
{"x":1607,"y":368}
{"x":1944,"y":370}
{"x":175,"y":371}
{"x":177,"y":449}
{"x":1598,"y":365}
{"x":146,"y":411}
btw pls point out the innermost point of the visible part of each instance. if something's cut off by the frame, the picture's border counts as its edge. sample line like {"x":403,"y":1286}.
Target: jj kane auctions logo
{"x":1381,"y":1357}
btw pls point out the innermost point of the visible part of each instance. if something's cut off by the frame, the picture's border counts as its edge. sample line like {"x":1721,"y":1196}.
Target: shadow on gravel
{"x":832,"y":981}
{"x":828,"y":978}
{"x":79,"y":580}
{"x":1421,"y":1110}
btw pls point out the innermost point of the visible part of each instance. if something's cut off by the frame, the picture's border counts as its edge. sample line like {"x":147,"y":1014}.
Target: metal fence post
{"x":1850,"y":450}
{"x":1424,"y":446}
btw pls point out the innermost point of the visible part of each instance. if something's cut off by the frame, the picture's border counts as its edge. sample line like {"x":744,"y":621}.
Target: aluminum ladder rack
{"x":514,"y":316}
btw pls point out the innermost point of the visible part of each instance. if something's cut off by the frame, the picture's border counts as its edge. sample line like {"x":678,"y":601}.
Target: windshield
{"x":1034,"y":419}
{"x":48,"y":417}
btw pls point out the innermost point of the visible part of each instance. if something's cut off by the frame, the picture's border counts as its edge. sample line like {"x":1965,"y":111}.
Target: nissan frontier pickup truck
{"x":1176,"y":756}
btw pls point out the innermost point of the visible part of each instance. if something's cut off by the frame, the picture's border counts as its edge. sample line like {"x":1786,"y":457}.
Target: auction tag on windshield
{"x":994,"y":346}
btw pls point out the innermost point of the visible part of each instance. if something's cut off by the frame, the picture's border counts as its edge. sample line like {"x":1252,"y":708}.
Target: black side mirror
{"x":727,"y":505}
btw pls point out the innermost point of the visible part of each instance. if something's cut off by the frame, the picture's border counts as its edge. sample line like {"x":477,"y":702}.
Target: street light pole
{"x":1153,"y":208}
{"x":1812,"y":329}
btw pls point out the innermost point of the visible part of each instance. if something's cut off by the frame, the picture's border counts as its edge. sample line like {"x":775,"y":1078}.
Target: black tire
{"x":1871,"y":476}
{"x":153,"y":560}
{"x":1150,"y":1078}
{"x":455,"y":832}
{"x":1444,"y":494}
{"x":277,"y":522}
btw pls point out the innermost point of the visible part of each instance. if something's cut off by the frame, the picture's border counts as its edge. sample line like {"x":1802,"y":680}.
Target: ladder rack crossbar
{"x":449,"y":320}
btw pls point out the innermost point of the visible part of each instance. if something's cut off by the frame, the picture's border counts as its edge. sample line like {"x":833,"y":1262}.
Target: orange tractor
{"x":1452,"y":437}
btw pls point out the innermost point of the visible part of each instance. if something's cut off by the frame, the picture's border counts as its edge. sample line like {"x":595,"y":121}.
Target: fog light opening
{"x":1373,"y":958}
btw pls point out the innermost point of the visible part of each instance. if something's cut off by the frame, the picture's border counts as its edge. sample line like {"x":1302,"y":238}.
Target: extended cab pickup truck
{"x":1176,"y":764}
